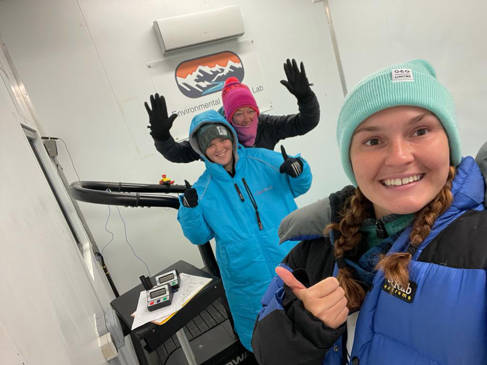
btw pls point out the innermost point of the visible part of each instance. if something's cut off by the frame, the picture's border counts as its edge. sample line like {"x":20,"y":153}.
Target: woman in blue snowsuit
{"x":399,"y":276}
{"x":240,"y":200}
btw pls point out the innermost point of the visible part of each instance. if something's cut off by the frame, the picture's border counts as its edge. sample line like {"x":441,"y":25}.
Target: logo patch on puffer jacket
{"x":405,"y":294}
{"x":262,"y":191}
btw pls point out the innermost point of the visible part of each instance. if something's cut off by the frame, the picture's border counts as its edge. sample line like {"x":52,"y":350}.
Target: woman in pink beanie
{"x":241,"y":110}
{"x":253,"y":128}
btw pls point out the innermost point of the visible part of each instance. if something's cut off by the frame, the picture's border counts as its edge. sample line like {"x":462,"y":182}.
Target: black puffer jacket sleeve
{"x":285,"y":332}
{"x":176,"y":152}
{"x":273,"y":128}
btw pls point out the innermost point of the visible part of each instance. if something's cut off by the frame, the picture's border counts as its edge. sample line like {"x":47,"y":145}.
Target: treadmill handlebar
{"x":126,"y":194}
{"x":129,"y":194}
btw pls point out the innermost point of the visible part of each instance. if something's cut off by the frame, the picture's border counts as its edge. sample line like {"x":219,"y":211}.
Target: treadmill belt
{"x":214,"y":315}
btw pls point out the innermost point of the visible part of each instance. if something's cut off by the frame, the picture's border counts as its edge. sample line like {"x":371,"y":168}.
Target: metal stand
{"x":186,"y":347}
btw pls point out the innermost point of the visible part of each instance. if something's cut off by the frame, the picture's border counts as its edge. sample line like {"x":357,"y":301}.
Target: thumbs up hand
{"x":291,"y":165}
{"x":190,"y":199}
{"x":325,"y":300}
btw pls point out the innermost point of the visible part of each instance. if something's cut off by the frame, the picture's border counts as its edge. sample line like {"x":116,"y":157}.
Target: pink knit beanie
{"x":236,"y":95}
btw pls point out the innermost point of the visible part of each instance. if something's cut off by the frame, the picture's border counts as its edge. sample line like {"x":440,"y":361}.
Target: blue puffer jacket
{"x":227,"y":211}
{"x":440,"y":319}
{"x":447,"y":321}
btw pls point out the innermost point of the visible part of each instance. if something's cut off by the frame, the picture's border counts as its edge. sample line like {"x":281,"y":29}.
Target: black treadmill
{"x":204,"y":326}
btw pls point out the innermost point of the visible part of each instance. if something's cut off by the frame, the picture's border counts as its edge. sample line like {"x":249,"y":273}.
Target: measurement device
{"x":158,"y":297}
{"x":171,"y":278}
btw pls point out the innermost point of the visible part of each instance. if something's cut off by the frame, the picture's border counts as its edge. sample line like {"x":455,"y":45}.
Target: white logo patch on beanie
{"x":222,"y":131}
{"x":402,"y":75}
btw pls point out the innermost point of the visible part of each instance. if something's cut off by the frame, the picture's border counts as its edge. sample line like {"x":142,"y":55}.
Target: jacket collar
{"x":468,"y":185}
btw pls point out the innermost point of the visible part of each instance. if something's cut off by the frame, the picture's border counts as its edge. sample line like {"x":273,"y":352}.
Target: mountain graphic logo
{"x":206,"y":75}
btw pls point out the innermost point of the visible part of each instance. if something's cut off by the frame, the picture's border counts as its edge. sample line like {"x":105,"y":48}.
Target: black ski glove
{"x":190,"y":199}
{"x":160,"y":123}
{"x":291,"y":165}
{"x":297,"y":82}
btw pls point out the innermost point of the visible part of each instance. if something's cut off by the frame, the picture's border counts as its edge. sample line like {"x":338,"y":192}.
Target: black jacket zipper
{"x":239,"y":193}
{"x":252,"y":200}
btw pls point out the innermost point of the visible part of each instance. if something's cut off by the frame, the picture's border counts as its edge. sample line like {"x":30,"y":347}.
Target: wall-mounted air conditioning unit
{"x":197,"y":28}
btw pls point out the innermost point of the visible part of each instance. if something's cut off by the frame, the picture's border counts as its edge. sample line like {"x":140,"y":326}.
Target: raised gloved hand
{"x":291,"y":165}
{"x":160,"y":123}
{"x":190,"y":199}
{"x":325,"y":300}
{"x":297,"y":82}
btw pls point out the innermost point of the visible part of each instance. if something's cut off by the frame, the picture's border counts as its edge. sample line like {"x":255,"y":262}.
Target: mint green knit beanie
{"x":412,"y":83}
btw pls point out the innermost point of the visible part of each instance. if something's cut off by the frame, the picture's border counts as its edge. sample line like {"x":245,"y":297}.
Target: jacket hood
{"x":209,"y":117}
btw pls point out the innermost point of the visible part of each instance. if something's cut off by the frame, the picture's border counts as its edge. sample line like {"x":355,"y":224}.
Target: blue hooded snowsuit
{"x":228,"y":210}
{"x":440,"y":319}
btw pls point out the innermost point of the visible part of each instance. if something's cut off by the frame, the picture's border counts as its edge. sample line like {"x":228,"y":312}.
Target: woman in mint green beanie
{"x":399,"y":275}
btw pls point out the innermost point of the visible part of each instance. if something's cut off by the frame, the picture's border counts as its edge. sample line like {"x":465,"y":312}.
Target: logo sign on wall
{"x":206,"y":75}
{"x":191,"y":82}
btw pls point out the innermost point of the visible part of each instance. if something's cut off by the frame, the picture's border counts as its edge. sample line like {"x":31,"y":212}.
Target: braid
{"x":395,"y":266}
{"x":356,"y":209}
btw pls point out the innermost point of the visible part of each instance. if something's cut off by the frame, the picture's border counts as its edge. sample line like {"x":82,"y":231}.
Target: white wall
{"x":451,"y":36}
{"x":49,"y":308}
{"x":84,"y":64}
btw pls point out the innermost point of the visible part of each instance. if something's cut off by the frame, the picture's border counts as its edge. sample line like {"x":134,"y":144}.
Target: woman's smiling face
{"x":400,"y":158}
{"x":244,"y":116}
{"x":220,"y":151}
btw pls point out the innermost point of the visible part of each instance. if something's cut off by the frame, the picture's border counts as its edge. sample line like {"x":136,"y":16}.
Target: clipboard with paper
{"x":190,"y":286}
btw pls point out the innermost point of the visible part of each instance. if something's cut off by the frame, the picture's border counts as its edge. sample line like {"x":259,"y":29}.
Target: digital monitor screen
{"x":158,"y":293}
{"x":163,"y":279}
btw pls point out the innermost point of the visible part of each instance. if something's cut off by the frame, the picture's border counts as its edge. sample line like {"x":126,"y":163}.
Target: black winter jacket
{"x":309,"y":339}
{"x":270,"y":130}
